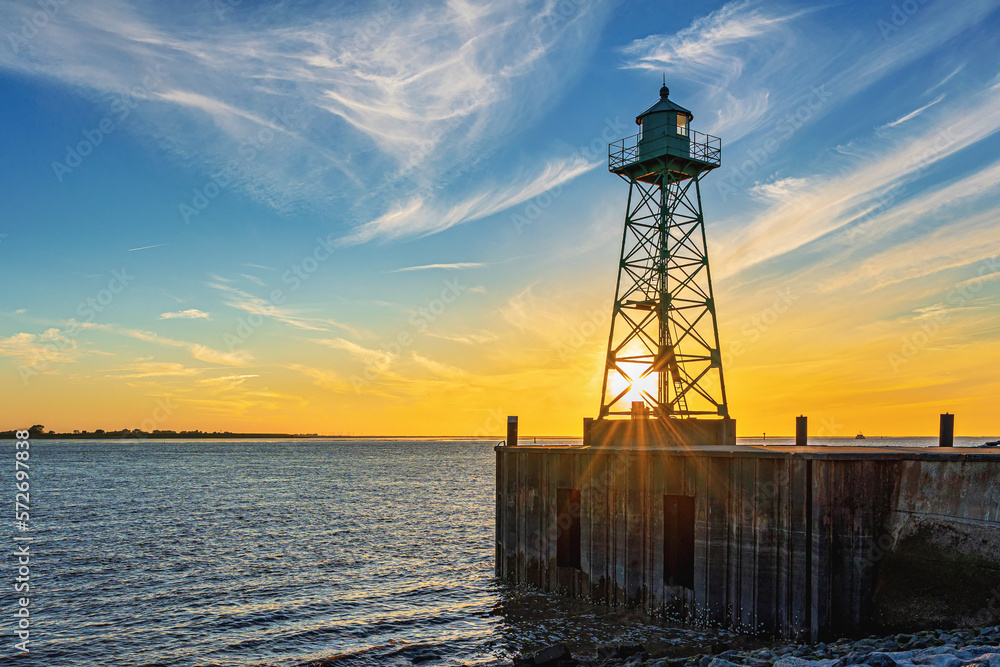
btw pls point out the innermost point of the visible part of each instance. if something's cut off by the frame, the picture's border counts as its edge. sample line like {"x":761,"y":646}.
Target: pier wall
{"x":797,"y":542}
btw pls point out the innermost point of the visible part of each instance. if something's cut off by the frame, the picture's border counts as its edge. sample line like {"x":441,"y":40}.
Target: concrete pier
{"x":797,"y":542}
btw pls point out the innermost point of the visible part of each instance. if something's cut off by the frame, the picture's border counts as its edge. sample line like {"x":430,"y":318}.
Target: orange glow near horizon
{"x":776,"y":368}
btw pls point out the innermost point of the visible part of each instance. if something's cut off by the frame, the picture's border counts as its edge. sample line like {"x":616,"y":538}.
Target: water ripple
{"x":243,"y":554}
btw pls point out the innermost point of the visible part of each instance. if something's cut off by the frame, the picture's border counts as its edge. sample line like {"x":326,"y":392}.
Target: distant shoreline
{"x":158,"y":435}
{"x":216,"y":435}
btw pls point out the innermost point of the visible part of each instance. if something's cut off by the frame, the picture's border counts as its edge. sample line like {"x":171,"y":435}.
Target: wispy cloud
{"x":929,"y":203}
{"x":189,"y":314}
{"x":29,"y":349}
{"x":924,"y":254}
{"x":427,"y":267}
{"x":913,"y":114}
{"x":148,"y":369}
{"x":57,"y":345}
{"x":465,"y":339}
{"x":212,"y":356}
{"x":323,"y":378}
{"x":227,"y":381}
{"x":254,"y":279}
{"x":754,"y":63}
{"x":197,"y":350}
{"x":380,"y":358}
{"x":245,"y":301}
{"x":947,"y":78}
{"x":782,"y":190}
{"x":714,"y":52}
{"x":713,"y":49}
{"x":439,"y":369}
{"x":437,"y":84}
{"x":420,"y":216}
{"x":806,"y":208}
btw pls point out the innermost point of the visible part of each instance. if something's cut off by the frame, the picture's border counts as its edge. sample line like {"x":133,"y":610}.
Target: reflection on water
{"x":528,"y":620}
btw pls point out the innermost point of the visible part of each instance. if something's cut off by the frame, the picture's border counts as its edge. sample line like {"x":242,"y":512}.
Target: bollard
{"x":512,"y":431}
{"x":638,"y":410}
{"x":801,"y":431}
{"x":588,"y":422}
{"x":947,"y":437}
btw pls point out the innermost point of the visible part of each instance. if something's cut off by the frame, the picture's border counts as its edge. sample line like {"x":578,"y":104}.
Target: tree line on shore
{"x":38,"y":431}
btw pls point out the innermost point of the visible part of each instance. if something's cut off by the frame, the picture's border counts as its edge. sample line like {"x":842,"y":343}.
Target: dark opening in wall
{"x":678,"y":541}
{"x":568,"y":522}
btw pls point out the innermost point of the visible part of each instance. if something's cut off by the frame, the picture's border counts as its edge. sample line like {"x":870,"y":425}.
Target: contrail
{"x":147,"y":247}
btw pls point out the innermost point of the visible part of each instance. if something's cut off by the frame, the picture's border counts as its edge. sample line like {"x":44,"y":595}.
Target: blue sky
{"x":352,"y":175}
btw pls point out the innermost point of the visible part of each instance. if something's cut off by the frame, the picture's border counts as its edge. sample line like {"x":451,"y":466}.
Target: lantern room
{"x":664,"y":128}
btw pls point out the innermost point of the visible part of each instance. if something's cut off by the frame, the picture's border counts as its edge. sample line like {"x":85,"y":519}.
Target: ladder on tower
{"x":680,"y":400}
{"x":679,"y":389}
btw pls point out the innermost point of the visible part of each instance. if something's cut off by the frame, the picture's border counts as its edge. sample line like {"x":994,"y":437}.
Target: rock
{"x":552,"y":656}
{"x":880,"y":660}
{"x":791,"y":661}
{"x":722,"y":662}
{"x":610,"y":651}
{"x":852,"y":658}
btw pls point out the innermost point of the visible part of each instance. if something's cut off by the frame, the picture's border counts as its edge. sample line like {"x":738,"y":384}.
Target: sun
{"x":639,"y":386}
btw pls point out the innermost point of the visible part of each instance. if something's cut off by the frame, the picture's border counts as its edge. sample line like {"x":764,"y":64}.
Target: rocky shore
{"x":933,"y":648}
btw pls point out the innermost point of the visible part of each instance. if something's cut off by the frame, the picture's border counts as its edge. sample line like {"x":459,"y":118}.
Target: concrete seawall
{"x":798,"y":542}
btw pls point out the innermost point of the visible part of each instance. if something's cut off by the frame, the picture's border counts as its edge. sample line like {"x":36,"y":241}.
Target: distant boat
{"x":860,"y":436}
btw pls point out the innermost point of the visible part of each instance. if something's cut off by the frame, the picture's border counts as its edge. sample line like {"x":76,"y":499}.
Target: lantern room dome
{"x":664,"y":104}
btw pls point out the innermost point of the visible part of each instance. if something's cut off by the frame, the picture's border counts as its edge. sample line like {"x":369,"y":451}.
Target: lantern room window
{"x":682,"y":125}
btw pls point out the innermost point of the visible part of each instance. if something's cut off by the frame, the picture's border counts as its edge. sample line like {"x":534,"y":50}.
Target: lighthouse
{"x":663,"y":362}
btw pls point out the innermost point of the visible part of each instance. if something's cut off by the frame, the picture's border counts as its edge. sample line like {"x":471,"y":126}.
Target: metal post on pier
{"x":801,"y":431}
{"x":947,"y":437}
{"x":512,"y":431}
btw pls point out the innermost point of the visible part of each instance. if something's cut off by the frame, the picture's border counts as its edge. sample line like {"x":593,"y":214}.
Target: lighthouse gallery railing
{"x":702,"y":147}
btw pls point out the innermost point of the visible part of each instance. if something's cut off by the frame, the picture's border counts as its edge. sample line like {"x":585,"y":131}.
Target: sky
{"x":396,"y":218}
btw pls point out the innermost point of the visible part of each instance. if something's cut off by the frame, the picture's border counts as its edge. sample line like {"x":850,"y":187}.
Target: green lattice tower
{"x":664,"y":320}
